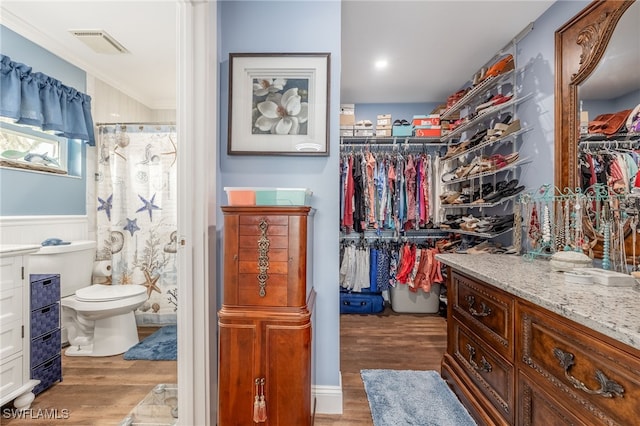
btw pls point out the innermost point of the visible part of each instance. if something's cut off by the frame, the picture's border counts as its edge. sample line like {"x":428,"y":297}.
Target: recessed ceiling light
{"x":381,"y":63}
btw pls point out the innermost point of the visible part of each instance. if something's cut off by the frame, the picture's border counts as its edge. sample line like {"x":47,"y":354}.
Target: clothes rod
{"x":149,"y":123}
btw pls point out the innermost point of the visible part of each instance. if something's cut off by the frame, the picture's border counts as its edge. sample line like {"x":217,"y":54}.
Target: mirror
{"x":588,"y":63}
{"x":580,"y":46}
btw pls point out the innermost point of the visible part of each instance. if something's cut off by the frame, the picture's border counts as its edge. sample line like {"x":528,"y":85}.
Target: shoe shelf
{"x":485,"y":114}
{"x":511,"y":166}
{"x":486,"y":85}
{"x":479,"y":205}
{"x":481,"y":146}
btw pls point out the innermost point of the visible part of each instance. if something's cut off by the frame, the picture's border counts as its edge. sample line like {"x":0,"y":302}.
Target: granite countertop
{"x":613,"y":311}
{"x":17,"y":249}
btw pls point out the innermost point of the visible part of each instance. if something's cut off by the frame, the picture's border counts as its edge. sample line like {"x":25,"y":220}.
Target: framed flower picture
{"x":278,"y":104}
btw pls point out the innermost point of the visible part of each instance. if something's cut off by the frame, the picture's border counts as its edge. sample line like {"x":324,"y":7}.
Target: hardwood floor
{"x":102,"y":391}
{"x":96,"y":391}
{"x":387,"y":340}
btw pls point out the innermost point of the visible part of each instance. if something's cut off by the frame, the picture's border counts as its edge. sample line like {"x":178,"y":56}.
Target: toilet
{"x":97,"y":319}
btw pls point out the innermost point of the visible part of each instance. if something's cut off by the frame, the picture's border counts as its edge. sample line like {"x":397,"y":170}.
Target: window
{"x":23,"y":147}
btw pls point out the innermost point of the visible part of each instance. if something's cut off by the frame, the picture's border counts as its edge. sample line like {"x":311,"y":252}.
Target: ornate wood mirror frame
{"x":579,"y":44}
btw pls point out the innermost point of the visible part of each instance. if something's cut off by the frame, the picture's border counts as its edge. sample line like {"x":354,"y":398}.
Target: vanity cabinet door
{"x":588,"y":372}
{"x":538,"y":408}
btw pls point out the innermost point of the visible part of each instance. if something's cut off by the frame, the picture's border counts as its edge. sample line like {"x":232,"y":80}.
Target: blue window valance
{"x":35,"y":99}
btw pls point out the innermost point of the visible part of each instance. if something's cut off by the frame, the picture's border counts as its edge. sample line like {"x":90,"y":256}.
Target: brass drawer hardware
{"x":608,"y":387}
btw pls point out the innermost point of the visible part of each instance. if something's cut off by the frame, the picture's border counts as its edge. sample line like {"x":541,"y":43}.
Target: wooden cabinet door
{"x":239,"y":362}
{"x":287,"y":365}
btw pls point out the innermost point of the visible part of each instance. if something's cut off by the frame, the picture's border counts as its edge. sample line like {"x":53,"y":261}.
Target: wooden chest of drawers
{"x":513,"y":362}
{"x":265,"y":320}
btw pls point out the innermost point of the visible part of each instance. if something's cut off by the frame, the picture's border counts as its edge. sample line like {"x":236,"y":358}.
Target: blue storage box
{"x":44,"y":347}
{"x":402,"y":131}
{"x":48,"y":373}
{"x":45,"y":319}
{"x":45,"y":289}
{"x":283,"y":196}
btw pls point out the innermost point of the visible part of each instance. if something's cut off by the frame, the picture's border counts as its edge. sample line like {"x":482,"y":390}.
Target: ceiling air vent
{"x":99,"y":41}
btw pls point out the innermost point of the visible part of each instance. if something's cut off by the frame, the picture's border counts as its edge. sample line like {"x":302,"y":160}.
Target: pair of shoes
{"x":494,"y":100}
{"x":500,"y":189}
{"x":502,"y":161}
{"x":496,"y":224}
{"x":401,"y":123}
{"x":501,"y":130}
{"x":456,"y":149}
{"x":366,"y":123}
{"x":502,"y":66}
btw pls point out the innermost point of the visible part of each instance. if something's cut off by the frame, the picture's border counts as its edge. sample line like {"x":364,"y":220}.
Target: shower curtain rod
{"x":159,"y":123}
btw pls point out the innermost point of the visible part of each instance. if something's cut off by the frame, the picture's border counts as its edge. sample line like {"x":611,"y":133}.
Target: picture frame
{"x":279,"y":104}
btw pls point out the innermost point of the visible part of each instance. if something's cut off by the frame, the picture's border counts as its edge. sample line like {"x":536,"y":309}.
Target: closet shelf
{"x":511,"y":166}
{"x":602,"y":139}
{"x":489,"y":143}
{"x":487,"y":84}
{"x":487,"y":113}
{"x":394,"y":142}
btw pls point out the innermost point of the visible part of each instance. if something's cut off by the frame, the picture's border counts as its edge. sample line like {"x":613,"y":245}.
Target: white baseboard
{"x":328,"y":399}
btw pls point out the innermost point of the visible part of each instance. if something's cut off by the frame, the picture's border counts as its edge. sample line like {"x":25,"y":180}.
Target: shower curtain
{"x":137,"y":214}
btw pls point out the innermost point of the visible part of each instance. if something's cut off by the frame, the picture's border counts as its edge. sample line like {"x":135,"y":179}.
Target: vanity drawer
{"x":490,"y":372}
{"x":44,"y":347}
{"x":580,"y":366}
{"x":45,"y":290}
{"x":44,"y":320}
{"x":487,"y":311}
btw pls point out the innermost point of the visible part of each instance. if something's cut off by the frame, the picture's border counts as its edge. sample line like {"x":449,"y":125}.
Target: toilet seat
{"x":106,"y":293}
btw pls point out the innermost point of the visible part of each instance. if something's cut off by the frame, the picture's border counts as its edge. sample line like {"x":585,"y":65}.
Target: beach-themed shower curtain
{"x":137,"y":213}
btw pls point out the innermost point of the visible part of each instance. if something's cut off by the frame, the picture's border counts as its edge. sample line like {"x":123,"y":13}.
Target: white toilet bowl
{"x":100,"y":320}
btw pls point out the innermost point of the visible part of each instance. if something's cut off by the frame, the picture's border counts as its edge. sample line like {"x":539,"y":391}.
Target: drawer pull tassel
{"x":263,"y":257}
{"x":486,"y":311}
{"x":259,"y":404}
{"x":608,"y":387}
{"x":486,"y":367}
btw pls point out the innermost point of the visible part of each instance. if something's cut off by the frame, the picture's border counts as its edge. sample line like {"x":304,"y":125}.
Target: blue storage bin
{"x":45,"y":320}
{"x":402,"y":131}
{"x":45,"y":289}
{"x":48,"y":373}
{"x":44,"y":347}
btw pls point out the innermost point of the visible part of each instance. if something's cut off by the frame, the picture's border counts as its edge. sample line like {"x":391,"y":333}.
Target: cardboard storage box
{"x":419,"y":302}
{"x":428,"y":132}
{"x":363,"y":131}
{"x":346,"y":130}
{"x":347,"y":114}
{"x":426,"y":120}
{"x":384,"y":120}
{"x":384,"y":132}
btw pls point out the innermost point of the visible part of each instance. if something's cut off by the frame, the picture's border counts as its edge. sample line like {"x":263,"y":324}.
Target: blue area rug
{"x":159,"y":346}
{"x":407,"y":397}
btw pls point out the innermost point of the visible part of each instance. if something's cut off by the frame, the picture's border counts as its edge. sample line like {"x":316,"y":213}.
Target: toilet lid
{"x":103,"y":293}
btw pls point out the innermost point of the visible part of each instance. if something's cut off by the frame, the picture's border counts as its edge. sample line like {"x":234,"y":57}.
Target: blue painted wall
{"x":286,"y":26}
{"x":536,"y":54}
{"x":24,"y":193}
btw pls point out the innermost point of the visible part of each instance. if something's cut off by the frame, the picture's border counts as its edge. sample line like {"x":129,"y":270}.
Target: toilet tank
{"x":74,"y":263}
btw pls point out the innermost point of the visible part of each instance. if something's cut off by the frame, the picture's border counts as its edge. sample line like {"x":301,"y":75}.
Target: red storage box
{"x":426,"y":120}
{"x":428,"y":132}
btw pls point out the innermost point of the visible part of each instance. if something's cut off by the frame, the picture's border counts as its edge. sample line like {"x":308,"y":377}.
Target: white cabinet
{"x":15,"y":373}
